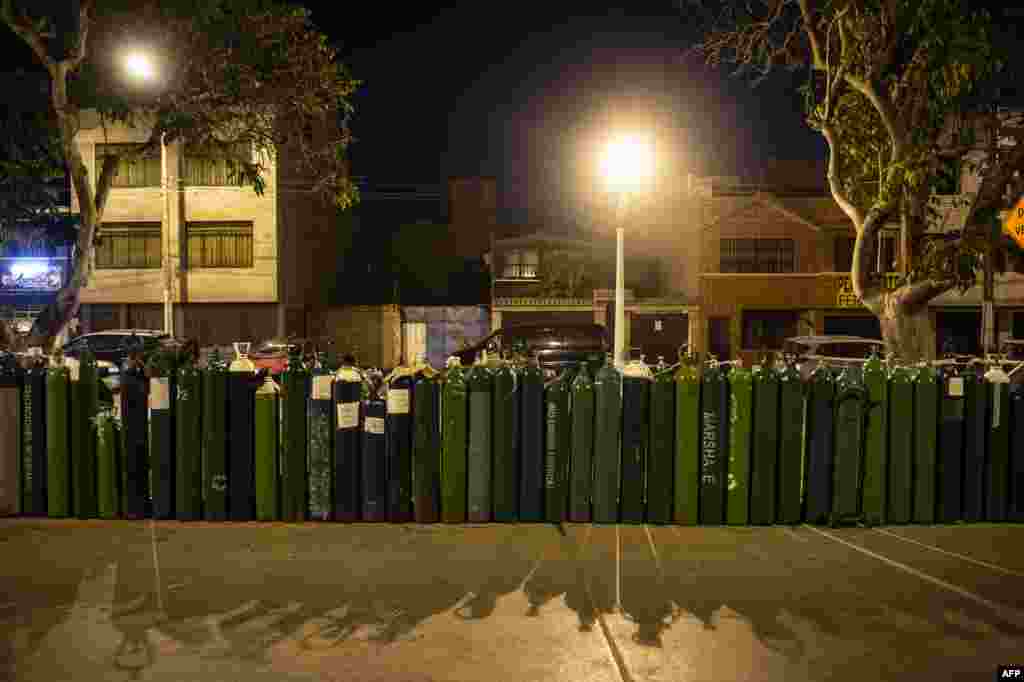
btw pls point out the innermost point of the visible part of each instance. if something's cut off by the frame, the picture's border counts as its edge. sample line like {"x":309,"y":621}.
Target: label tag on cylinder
{"x":159,"y":393}
{"x":398,"y":401}
{"x":956,"y":387}
{"x":322,"y":387}
{"x":374,"y":425}
{"x":348,"y":415}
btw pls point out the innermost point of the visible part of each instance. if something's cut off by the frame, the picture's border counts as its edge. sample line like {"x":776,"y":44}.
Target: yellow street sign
{"x":1013,"y":223}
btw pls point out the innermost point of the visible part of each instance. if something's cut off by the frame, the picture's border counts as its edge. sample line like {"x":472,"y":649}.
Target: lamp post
{"x":140,"y":66}
{"x":626,"y":167}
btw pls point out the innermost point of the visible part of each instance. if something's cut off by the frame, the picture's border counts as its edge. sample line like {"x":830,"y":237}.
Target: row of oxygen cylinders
{"x":691,"y":443}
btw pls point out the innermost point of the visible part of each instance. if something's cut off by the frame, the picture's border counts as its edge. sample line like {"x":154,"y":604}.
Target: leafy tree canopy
{"x":901,"y":90}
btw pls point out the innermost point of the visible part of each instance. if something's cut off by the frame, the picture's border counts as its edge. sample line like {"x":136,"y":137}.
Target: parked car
{"x":557,"y":346}
{"x":113,"y":346}
{"x":812,"y":351}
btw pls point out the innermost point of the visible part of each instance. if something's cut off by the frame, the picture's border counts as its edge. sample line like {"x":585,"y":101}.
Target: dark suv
{"x":557,"y":345}
{"x":114,"y":345}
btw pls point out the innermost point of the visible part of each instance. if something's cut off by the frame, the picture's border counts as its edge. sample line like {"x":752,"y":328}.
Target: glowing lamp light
{"x":140,"y":66}
{"x":30,"y":268}
{"x":628,"y":163}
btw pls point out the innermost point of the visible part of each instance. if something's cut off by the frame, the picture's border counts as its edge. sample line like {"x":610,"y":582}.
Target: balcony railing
{"x":519,"y":271}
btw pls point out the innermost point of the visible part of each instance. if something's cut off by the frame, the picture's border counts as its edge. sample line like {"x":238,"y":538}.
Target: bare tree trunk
{"x":907,"y":329}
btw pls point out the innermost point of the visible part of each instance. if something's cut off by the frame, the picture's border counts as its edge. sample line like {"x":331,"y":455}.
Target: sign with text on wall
{"x":1013,"y":223}
{"x":845,"y":298}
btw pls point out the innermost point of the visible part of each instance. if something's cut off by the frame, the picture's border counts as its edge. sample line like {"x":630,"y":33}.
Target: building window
{"x":521,"y":264}
{"x":215,"y":167}
{"x":767,"y":329}
{"x":134,"y":172}
{"x":947,"y":180}
{"x":220,"y":245}
{"x":758,"y":255}
{"x":844,"y":253}
{"x":129,"y":245}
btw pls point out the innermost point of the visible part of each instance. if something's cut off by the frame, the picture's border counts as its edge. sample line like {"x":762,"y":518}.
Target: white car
{"x":831,"y":350}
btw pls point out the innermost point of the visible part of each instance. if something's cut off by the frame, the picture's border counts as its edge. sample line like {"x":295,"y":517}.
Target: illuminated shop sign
{"x":31,"y":274}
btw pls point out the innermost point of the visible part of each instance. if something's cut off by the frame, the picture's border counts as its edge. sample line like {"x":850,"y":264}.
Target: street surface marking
{"x":793,"y":534}
{"x":654,"y":551}
{"x":1010,"y":615}
{"x":156,"y":569}
{"x":609,"y":641}
{"x":618,"y":571}
{"x":964,"y":557}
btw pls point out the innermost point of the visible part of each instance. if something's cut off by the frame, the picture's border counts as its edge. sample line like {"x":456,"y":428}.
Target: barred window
{"x":843,"y":255}
{"x":757,"y":255}
{"x":220,"y":245}
{"x":144,"y":171}
{"x":521,"y":264}
{"x":215,"y":166}
{"x":129,"y":245}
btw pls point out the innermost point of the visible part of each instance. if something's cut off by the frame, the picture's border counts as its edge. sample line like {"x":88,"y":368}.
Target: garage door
{"x":958,"y":330}
{"x":654,"y":335}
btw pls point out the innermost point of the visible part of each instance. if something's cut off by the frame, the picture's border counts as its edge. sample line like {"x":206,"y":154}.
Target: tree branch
{"x":23,"y":28}
{"x":835,"y":180}
{"x":919,"y":293}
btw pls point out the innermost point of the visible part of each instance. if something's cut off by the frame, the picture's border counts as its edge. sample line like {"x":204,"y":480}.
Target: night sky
{"x":497,"y":89}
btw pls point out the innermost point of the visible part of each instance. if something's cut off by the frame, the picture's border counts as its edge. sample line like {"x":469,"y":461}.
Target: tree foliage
{"x":901,"y":90}
{"x":255,"y":73}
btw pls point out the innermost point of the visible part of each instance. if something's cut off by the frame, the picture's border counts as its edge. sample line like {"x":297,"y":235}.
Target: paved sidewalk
{"x":142,"y":600}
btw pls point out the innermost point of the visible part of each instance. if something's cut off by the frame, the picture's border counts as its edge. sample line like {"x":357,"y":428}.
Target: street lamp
{"x":140,"y":66}
{"x":626,"y":167}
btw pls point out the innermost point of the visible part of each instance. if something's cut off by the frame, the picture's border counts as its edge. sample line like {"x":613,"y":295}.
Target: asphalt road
{"x":125,"y":600}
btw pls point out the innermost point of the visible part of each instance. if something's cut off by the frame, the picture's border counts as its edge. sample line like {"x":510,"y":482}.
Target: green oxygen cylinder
{"x":875,"y":455}
{"x":820,"y":442}
{"x":12,"y":494}
{"x":85,"y":389}
{"x":741,"y":398}
{"x":505,"y":431}
{"x":686,"y":507}
{"x":791,"y":434}
{"x":714,"y":433}
{"x":636,"y":397}
{"x":58,"y":464}
{"x":320,"y":444}
{"x":531,"y":454}
{"x":478,"y":476}
{"x":108,"y":483}
{"x":901,"y":445}
{"x":850,"y":409}
{"x":557,"y":442}
{"x":295,"y":390}
{"x":997,"y":472}
{"x":188,"y":486}
{"x":215,"y":439}
{"x":582,"y":448}
{"x":926,"y":428}
{"x":607,"y":432}
{"x":765,"y":462}
{"x":454,"y":443}
{"x":660,"y":475}
{"x":426,"y":445}
{"x":266,"y":423}
{"x":975,"y":432}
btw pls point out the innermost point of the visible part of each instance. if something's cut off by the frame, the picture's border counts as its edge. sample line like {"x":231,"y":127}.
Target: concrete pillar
{"x":179,"y":321}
